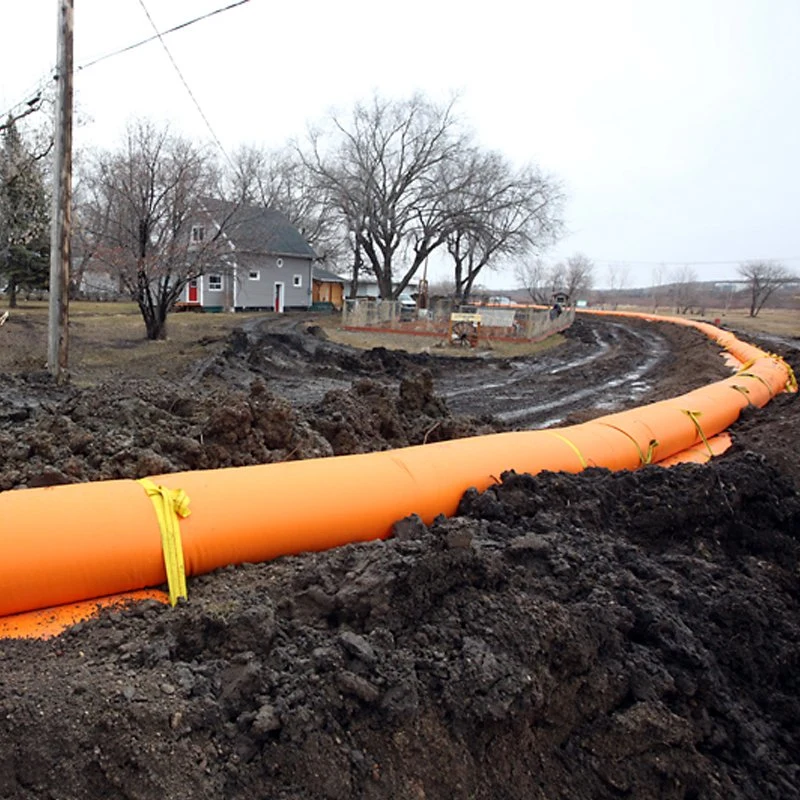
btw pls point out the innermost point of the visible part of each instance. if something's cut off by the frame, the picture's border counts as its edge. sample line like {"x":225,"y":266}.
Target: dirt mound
{"x":273,"y":352}
{"x":593,"y":636}
{"x":131,"y":429}
{"x":370,"y":416}
{"x":589,"y":636}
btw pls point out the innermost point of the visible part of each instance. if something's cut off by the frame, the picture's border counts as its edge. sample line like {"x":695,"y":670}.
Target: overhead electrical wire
{"x":42,"y":83}
{"x":626,"y":262}
{"x":666,"y":264}
{"x":158,"y":34}
{"x":160,"y":37}
{"x":32,"y":96}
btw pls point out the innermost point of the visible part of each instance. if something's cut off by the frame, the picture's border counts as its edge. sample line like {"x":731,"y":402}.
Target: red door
{"x":279,"y":298}
{"x":192,"y":294}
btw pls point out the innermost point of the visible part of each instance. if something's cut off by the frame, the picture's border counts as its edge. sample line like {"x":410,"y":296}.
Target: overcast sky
{"x":673,"y":125}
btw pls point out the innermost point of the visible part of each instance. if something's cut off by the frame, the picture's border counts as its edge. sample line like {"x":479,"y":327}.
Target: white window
{"x":215,"y":283}
{"x":198,"y":234}
{"x":254,"y":275}
{"x":297,"y":280}
{"x":278,"y":262}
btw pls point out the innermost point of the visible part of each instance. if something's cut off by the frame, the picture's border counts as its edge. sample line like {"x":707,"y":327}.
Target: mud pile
{"x":131,"y":429}
{"x":593,"y":636}
{"x":600,"y":635}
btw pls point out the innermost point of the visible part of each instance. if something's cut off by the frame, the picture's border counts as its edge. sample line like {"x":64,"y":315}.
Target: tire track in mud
{"x":605,"y":365}
{"x":618,"y":371}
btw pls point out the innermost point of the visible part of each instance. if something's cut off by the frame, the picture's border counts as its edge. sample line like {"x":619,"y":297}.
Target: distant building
{"x":267,"y":264}
{"x":328,"y":288}
{"x":262,"y":262}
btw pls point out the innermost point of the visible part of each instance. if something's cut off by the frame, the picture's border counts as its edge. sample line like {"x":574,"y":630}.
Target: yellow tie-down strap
{"x":694,"y":416}
{"x":791,"y":378}
{"x":170,"y":505}
{"x":572,"y":447}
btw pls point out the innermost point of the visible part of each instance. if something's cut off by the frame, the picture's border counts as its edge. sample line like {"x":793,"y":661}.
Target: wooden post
{"x":61,"y":224}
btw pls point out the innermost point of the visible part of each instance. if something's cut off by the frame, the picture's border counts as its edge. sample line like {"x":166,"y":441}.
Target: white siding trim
{"x":235,"y":286}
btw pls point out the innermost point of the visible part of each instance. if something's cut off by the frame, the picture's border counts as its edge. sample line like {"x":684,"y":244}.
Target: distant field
{"x":780,"y":322}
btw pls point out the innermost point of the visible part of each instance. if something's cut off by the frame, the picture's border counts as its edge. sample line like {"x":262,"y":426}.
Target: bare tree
{"x":280,"y":180}
{"x":618,"y":275}
{"x":763,"y":278}
{"x":140,"y":206}
{"x":496,"y":212}
{"x":84,"y":241}
{"x":658,"y":280}
{"x":576,"y":276}
{"x":684,"y":289}
{"x":572,"y":277}
{"x":536,"y":276}
{"x":381,"y":168}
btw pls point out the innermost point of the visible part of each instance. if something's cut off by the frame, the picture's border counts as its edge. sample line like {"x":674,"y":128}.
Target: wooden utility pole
{"x":61,"y":225}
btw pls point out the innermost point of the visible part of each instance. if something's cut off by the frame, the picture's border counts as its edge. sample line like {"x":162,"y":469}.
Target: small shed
{"x":327,"y":288}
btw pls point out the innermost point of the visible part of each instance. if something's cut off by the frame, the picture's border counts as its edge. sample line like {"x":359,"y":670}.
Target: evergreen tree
{"x":24,"y":217}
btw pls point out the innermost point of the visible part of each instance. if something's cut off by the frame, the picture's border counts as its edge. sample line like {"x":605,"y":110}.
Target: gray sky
{"x":674,"y":126}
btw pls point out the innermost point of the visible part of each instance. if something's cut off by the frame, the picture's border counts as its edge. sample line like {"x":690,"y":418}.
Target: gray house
{"x":263,"y":260}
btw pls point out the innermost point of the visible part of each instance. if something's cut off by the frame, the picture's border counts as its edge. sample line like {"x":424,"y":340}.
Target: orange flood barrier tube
{"x":68,"y":543}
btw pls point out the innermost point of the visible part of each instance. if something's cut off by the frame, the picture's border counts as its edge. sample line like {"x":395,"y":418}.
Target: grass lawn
{"x":108,"y":339}
{"x":435,"y":345}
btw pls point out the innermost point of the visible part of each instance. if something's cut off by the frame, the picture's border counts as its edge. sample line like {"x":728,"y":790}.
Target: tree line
{"x":375,"y":191}
{"x":758,"y":283}
{"x":24,"y":209}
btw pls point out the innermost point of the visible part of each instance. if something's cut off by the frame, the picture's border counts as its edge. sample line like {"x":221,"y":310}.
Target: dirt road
{"x":592,"y":636}
{"x":604,"y":365}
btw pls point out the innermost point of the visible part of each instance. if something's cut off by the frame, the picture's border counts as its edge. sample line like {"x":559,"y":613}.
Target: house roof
{"x":327,"y":276}
{"x":255,"y":229}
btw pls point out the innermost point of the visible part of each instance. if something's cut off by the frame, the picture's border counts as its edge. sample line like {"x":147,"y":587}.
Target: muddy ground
{"x":630,"y":635}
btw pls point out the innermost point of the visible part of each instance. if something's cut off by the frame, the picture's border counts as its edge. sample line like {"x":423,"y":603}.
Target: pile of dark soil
{"x":601,"y":635}
{"x":592,"y":636}
{"x":131,"y":429}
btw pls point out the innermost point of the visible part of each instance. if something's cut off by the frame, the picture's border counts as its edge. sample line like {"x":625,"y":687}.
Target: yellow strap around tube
{"x":759,"y":379}
{"x":791,"y":378}
{"x":694,"y":417}
{"x":645,"y":458}
{"x":744,"y":391}
{"x":170,"y":504}
{"x":572,"y":446}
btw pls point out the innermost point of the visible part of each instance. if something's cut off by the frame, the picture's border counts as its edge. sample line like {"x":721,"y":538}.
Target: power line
{"x":9,"y":119}
{"x":41,"y":84}
{"x":158,"y":35}
{"x":31,"y":97}
{"x":670,"y":263}
{"x":185,"y":84}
